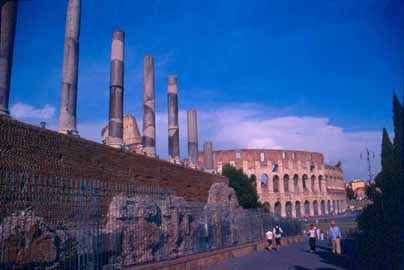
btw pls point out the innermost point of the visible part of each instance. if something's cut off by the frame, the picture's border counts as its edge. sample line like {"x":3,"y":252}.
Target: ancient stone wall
{"x":26,"y":148}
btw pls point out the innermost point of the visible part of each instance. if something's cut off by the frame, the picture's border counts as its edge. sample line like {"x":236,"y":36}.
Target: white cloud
{"x":25,"y":111}
{"x":251,"y":126}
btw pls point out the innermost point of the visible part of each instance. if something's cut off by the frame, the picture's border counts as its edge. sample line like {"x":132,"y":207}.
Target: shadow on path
{"x":345,"y":261}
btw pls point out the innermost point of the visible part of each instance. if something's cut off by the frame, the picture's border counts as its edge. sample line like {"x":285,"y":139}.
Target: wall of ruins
{"x":294,"y":183}
{"x":27,"y":148}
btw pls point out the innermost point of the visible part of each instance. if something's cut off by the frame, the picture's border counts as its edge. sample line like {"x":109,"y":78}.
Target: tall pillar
{"x":208,"y":156}
{"x":173,"y":129}
{"x":192,"y":137}
{"x":68,"y":104}
{"x":8,"y":21}
{"x":115,"y":124}
{"x":149,"y":118}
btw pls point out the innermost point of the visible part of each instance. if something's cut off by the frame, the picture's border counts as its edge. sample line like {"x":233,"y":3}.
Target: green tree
{"x":243,"y":185}
{"x":349,"y":192}
{"x":380,"y":245}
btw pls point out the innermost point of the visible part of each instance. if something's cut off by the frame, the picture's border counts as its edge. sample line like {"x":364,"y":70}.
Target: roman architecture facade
{"x":292,"y":183}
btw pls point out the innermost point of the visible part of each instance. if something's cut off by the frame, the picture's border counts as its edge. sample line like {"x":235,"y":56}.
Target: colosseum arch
{"x":329,"y":207}
{"x":296,"y":183}
{"x":338,"y":208}
{"x":298,"y":209}
{"x":320,"y":183}
{"x":306,"y":208}
{"x":304,"y":182}
{"x":286,"y":183}
{"x":276,"y":183}
{"x":264,"y":180}
{"x":334,"y":207}
{"x":288,"y":209}
{"x":313,"y":183}
{"x":277,"y":209}
{"x":323,"y":211}
{"x":315,"y":208}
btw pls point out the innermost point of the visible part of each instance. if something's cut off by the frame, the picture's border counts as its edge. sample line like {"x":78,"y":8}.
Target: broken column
{"x":173,"y":130}
{"x":115,"y":124}
{"x":149,"y":118}
{"x":8,"y":19}
{"x":68,"y":105}
{"x":192,"y":138}
{"x":208,"y":156}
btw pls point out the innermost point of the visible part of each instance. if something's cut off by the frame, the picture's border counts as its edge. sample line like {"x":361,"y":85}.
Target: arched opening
{"x":315,"y":208}
{"x":264,"y":181}
{"x":306,"y":208}
{"x":304,"y":181}
{"x":276,"y":183}
{"x":277,"y":209}
{"x":313,"y":183}
{"x":320,"y":183}
{"x":329,"y":207}
{"x":334,"y":207}
{"x":286,"y":182}
{"x":296,"y":183}
{"x":288,"y":208}
{"x":267,"y":207}
{"x":338,"y":207}
{"x":298,"y":209}
{"x":323,"y":208}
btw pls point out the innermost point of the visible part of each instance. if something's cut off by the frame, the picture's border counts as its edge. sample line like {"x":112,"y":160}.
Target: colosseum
{"x":294,"y":183}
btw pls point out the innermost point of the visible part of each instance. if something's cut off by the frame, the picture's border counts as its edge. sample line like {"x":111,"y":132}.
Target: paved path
{"x":295,"y":257}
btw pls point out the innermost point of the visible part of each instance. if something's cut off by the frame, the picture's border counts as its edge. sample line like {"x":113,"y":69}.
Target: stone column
{"x":115,"y":124}
{"x":8,"y":19}
{"x":173,"y":130}
{"x":68,"y":104}
{"x":208,"y":156}
{"x":192,"y":138}
{"x":149,"y":118}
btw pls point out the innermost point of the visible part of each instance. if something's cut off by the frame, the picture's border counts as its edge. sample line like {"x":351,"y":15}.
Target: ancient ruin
{"x":173,"y":129}
{"x":292,"y":183}
{"x":8,"y":19}
{"x":68,"y":104}
{"x":192,"y":138}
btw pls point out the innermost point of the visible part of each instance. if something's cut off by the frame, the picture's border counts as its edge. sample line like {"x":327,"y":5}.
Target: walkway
{"x":295,"y":257}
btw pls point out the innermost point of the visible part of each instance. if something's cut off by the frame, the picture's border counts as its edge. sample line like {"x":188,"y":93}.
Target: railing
{"x":51,"y":222}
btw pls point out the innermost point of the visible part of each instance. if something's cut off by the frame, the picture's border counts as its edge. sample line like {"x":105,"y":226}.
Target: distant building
{"x":359,"y":188}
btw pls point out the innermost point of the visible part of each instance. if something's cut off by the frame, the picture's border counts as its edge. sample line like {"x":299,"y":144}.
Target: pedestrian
{"x":321,"y":235}
{"x":334,"y":234}
{"x":318,"y":233}
{"x":312,"y":233}
{"x":270,"y":236}
{"x":278,"y":236}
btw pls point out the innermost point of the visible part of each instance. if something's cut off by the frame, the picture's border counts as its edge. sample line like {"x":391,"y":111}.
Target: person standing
{"x":278,"y":236}
{"x":334,"y":234}
{"x":270,"y":236}
{"x":312,"y":233}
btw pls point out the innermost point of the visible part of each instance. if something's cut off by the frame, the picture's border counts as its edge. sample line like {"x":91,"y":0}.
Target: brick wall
{"x":27,"y":148}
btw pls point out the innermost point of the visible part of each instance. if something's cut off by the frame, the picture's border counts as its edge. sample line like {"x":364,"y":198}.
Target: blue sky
{"x":311,"y":75}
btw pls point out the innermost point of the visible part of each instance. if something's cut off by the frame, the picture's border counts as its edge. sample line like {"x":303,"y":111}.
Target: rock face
{"x":136,"y":229}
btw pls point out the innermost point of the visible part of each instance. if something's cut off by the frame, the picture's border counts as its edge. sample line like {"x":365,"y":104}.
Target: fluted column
{"x":192,"y":137}
{"x":8,"y":21}
{"x":173,"y":129}
{"x":68,"y":105}
{"x":115,"y":124}
{"x":149,"y":118}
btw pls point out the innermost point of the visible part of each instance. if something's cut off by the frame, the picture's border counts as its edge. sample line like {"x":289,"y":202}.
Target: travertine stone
{"x":115,"y":125}
{"x":192,"y":138}
{"x":173,"y":129}
{"x":68,"y":105}
{"x":208,"y":155}
{"x":8,"y":21}
{"x":149,"y":118}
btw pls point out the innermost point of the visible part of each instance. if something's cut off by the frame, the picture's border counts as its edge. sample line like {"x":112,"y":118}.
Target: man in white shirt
{"x":269,"y":235}
{"x":312,"y":233}
{"x":278,"y":235}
